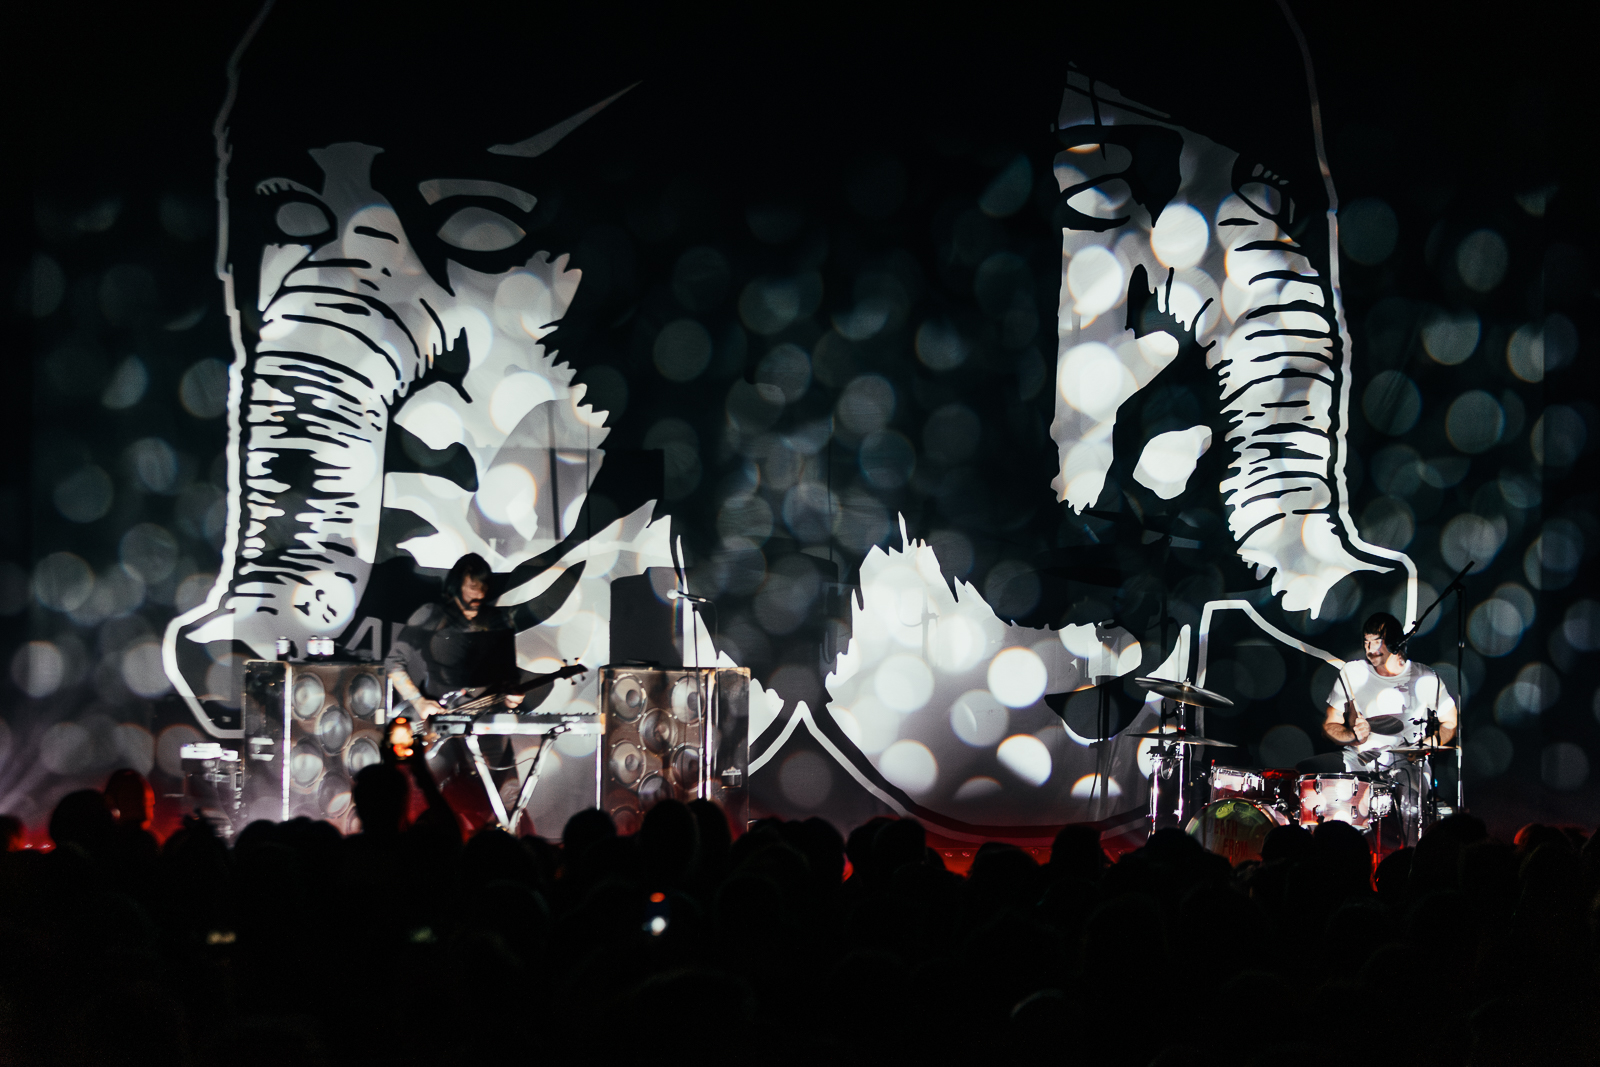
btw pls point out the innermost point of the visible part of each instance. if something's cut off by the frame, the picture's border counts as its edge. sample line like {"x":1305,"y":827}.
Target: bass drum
{"x":1235,"y":828}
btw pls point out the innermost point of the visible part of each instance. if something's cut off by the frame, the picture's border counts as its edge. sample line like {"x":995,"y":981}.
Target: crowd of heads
{"x":413,"y":942}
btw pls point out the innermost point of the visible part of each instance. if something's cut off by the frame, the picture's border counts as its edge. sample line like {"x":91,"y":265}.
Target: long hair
{"x":471,"y":566}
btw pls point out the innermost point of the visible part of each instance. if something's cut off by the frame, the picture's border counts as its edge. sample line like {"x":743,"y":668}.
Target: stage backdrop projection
{"x":959,"y":403}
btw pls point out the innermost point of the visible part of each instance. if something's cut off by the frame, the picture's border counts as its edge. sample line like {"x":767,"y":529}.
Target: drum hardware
{"x":1184,"y":693}
{"x":1173,"y":790}
{"x":1460,"y":591}
{"x":1181,"y":738}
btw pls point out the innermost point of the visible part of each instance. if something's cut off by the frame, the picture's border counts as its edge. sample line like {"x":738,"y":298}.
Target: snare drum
{"x":1342,"y":797}
{"x":1234,"y":827}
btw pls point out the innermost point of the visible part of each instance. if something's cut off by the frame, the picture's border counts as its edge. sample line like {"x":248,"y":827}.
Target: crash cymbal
{"x":1184,"y":693}
{"x":1187,"y":739}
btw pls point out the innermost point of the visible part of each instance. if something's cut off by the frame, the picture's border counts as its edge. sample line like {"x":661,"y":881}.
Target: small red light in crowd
{"x":400,"y":738}
{"x":656,"y":898}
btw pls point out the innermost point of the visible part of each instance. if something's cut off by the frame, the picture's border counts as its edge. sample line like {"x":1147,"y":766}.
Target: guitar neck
{"x":494,"y":696}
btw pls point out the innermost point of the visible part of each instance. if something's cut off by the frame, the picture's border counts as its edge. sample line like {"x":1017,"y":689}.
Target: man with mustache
{"x":1383,"y":704}
{"x":430,"y":657}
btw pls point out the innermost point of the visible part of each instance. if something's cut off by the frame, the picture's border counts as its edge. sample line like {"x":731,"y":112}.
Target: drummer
{"x":1384,"y":703}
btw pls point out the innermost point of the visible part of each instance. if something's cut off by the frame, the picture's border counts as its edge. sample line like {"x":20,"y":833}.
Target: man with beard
{"x":440,"y":650}
{"x":1384,"y":704}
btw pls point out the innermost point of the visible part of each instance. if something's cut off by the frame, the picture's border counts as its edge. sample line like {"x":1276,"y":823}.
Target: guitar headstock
{"x":572,"y":670}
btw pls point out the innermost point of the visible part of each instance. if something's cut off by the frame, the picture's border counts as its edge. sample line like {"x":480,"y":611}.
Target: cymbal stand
{"x":1170,"y":762}
{"x":1460,"y":591}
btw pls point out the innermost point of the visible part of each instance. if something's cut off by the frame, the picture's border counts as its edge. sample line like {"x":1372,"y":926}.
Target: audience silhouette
{"x":689,"y":942}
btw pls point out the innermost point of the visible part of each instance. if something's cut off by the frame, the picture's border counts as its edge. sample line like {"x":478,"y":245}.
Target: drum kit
{"x":1230,"y":810}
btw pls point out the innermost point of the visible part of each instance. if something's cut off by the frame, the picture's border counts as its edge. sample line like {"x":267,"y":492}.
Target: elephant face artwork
{"x":392,"y":396}
{"x":1201,"y":345}
{"x":1201,"y":361}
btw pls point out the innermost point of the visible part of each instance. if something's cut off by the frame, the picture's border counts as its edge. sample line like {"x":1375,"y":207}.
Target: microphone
{"x":674,"y":594}
{"x":1454,"y":586}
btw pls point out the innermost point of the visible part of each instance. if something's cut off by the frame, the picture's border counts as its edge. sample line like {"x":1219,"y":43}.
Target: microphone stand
{"x":1460,"y":591}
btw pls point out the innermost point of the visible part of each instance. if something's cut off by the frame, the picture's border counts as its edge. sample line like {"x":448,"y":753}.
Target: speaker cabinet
{"x":308,"y":729}
{"x":644,"y":627}
{"x":678,"y":734}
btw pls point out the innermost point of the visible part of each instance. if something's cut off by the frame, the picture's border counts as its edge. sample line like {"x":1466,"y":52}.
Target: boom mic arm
{"x":1454,"y":586}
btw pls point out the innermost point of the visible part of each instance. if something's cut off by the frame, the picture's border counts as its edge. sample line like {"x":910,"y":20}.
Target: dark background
{"x":1447,"y":116}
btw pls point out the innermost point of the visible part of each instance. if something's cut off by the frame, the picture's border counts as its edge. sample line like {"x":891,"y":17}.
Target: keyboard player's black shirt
{"x":431,"y":647}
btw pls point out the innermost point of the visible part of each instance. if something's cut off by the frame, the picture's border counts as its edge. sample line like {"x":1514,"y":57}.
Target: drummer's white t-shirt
{"x":1390,"y":704}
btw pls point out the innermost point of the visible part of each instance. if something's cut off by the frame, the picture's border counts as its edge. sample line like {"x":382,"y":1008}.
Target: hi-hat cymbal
{"x":1186,"y":739}
{"x":1184,"y":693}
{"x":1424,"y":750}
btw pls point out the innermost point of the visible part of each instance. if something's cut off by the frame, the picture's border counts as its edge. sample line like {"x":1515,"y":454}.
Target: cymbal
{"x":1184,"y":693}
{"x":1424,"y":750}
{"x":1187,"y":739}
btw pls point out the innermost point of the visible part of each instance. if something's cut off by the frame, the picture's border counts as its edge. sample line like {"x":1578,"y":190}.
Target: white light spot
{"x":508,"y":493}
{"x":1089,"y":785}
{"x":1017,"y":677}
{"x":1093,"y":380}
{"x":1026,"y":757}
{"x":977,"y":788}
{"x":142,"y":670}
{"x":514,"y":397}
{"x":909,"y":765}
{"x":978,"y":718}
{"x":1095,"y":280}
{"x":1180,"y":236}
{"x":38,"y":668}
